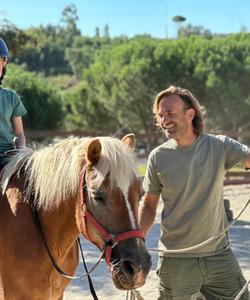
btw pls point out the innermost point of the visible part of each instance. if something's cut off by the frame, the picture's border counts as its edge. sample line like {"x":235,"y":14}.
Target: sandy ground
{"x":240,"y":240}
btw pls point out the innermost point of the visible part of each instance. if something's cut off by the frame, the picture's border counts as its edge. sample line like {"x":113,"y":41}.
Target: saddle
{"x":10,"y":163}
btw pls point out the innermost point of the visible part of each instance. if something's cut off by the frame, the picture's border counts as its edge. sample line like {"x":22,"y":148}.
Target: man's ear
{"x":129,"y":140}
{"x":190,"y":113}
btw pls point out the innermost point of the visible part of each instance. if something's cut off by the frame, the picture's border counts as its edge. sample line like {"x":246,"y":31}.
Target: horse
{"x":75,"y":186}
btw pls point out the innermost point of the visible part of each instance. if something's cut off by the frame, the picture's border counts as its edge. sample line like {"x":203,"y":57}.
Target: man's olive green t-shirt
{"x":190,"y":182}
{"x":10,"y":106}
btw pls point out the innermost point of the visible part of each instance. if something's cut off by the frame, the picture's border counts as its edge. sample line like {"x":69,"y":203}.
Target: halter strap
{"x":110,"y":240}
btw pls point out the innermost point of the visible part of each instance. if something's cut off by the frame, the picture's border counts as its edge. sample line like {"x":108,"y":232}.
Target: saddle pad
{"x":14,"y":163}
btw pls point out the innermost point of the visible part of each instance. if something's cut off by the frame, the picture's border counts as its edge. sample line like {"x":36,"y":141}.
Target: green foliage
{"x":42,"y":102}
{"x":70,"y":18}
{"x":14,"y":37}
{"x":109,"y":84}
{"x":141,"y":168}
{"x":47,"y":57}
{"x":83,"y":51}
{"x":121,"y":79}
{"x":189,"y":30}
{"x":225,"y":62}
{"x":45,"y":46}
{"x":83,"y":111}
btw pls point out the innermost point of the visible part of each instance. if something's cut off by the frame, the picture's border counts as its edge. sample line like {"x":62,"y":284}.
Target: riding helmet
{"x":3,"y":49}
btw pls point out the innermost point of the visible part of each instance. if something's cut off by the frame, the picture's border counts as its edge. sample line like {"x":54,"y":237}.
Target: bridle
{"x":110,"y":240}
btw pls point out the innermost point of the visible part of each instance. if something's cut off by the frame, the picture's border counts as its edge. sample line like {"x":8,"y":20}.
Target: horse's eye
{"x":98,"y":198}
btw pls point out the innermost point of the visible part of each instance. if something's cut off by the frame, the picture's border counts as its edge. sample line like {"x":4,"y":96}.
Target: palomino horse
{"x":86,"y":186}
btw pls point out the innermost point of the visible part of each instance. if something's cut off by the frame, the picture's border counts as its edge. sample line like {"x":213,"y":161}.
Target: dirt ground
{"x":239,"y":237}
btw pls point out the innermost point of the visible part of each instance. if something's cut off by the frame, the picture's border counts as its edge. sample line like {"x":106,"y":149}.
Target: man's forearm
{"x":146,"y":217}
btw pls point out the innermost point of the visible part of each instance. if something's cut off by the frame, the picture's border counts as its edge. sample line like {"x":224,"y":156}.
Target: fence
{"x":237,"y":177}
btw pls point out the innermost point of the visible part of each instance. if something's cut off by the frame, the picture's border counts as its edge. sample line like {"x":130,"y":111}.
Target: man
{"x":187,"y":171}
{"x":11,"y":110}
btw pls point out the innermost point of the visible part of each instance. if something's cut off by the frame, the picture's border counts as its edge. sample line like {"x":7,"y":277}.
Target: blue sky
{"x":132,"y":17}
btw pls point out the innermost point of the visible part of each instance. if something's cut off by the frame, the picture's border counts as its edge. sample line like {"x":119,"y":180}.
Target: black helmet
{"x":3,"y":49}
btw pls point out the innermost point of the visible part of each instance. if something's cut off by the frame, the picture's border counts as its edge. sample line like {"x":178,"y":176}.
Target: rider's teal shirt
{"x":10,"y":106}
{"x":190,"y":182}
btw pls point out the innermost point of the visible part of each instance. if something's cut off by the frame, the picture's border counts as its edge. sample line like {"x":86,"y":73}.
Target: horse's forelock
{"x":117,"y":161}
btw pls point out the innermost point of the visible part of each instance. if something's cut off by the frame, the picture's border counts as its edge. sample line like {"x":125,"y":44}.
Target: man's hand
{"x":147,"y":212}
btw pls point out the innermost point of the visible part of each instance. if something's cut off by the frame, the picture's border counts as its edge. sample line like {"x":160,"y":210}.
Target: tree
{"x":106,"y":31}
{"x":83,"y":52}
{"x":84,"y":111}
{"x":44,"y":51}
{"x":97,"y":32}
{"x":118,"y":78}
{"x":227,"y":65}
{"x":70,"y":18}
{"x":179,"y":19}
{"x":189,"y":29}
{"x":14,"y":37}
{"x":122,"y":80}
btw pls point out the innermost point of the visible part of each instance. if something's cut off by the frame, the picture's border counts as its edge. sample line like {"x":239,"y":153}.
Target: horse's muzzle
{"x":131,"y":270}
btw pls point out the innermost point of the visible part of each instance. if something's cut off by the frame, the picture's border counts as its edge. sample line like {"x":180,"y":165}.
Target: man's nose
{"x":164,"y":119}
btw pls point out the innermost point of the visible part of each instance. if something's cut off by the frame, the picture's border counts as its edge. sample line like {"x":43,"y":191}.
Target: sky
{"x":131,"y":17}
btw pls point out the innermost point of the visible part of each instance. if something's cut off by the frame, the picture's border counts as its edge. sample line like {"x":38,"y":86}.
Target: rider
{"x":11,"y":110}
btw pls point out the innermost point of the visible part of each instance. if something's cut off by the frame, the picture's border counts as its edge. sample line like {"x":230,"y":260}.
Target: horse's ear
{"x":129,"y":140}
{"x":93,"y":153}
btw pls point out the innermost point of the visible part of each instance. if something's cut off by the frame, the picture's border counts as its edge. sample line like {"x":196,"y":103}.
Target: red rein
{"x":110,"y":240}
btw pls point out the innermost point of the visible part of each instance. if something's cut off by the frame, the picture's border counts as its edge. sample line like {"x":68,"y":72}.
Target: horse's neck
{"x":60,"y":225}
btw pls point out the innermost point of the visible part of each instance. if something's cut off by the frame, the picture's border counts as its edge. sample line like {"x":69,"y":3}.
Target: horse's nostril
{"x":129,"y":267}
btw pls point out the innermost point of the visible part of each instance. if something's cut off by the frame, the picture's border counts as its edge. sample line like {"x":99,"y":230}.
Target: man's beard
{"x":3,"y":74}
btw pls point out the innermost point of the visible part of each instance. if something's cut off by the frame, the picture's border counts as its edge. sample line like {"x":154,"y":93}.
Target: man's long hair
{"x":189,"y":102}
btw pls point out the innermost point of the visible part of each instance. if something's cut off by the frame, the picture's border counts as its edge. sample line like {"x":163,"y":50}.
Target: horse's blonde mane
{"x":53,"y":172}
